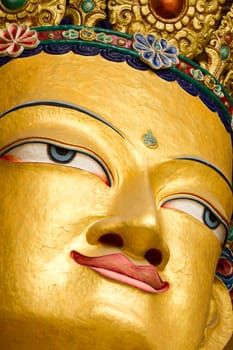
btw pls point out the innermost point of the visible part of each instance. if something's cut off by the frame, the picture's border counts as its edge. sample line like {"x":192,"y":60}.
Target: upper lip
{"x":118,"y":267}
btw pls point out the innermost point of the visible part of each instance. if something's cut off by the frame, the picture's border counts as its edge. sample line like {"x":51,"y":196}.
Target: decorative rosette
{"x":157,"y":53}
{"x":225,"y":269}
{"x":15,"y":38}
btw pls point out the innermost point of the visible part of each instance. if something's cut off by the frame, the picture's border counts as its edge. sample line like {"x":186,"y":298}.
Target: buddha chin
{"x":97,"y":332}
{"x":101,"y":322}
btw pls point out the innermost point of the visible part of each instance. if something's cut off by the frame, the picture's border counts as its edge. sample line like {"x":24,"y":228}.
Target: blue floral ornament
{"x":157,"y":53}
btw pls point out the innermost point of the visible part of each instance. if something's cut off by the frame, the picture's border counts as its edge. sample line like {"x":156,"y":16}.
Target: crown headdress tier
{"x":202,"y":30}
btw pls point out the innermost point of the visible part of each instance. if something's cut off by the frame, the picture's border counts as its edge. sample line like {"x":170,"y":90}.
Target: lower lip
{"x":129,"y":281}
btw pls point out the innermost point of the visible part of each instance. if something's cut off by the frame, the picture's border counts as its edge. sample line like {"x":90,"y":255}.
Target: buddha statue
{"x":116,"y":196}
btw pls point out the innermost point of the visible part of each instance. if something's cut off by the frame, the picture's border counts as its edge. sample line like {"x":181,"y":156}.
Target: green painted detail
{"x":197,"y":74}
{"x":104,"y":38}
{"x":13,"y":4}
{"x":87,"y":6}
{"x":157,"y":45}
{"x":224,"y":52}
{"x":218,"y":91}
{"x":70,"y":34}
{"x":149,"y":140}
{"x":230,"y":235}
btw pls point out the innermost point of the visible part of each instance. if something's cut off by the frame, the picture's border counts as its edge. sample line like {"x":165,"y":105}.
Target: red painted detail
{"x":50,"y":35}
{"x":118,"y":267}
{"x":104,"y":179}
{"x":167,"y":9}
{"x":224,"y":267}
{"x":228,"y":37}
{"x":10,"y":158}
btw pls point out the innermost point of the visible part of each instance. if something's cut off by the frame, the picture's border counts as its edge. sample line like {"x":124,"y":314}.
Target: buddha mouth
{"x":119,"y":268}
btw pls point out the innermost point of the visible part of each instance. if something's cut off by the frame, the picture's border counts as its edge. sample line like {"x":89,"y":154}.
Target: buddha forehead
{"x":132,"y":101}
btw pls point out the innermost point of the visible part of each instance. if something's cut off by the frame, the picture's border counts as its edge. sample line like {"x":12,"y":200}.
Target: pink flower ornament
{"x":15,"y":38}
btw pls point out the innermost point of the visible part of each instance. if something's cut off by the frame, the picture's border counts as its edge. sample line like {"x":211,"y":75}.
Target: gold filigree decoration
{"x":86,"y":12}
{"x":219,"y":52}
{"x":34,"y":13}
{"x":189,"y":26}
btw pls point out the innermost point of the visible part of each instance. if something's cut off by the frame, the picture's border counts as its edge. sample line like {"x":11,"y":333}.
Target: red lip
{"x":119,"y":268}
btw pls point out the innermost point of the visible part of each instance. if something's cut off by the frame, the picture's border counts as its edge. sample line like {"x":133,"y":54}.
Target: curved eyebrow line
{"x":210,"y":165}
{"x":63,"y":105}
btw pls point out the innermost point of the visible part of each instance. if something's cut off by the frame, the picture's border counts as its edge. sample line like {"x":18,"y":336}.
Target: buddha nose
{"x":132,"y":224}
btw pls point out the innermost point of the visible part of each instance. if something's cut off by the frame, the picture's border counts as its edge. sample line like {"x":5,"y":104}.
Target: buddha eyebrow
{"x":62,"y":104}
{"x":210,"y":165}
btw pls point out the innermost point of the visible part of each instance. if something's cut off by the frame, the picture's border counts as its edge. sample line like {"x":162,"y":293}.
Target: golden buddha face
{"x":114,"y":205}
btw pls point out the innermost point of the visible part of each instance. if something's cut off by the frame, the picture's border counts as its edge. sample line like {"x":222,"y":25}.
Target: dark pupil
{"x":210,"y":219}
{"x":60,"y":155}
{"x":61,"y":151}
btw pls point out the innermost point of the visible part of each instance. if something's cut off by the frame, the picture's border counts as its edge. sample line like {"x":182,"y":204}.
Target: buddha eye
{"x":200,"y":211}
{"x":51,"y":153}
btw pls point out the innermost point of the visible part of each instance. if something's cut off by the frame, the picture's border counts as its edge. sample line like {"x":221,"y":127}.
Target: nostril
{"x":111,"y":239}
{"x":153,"y":256}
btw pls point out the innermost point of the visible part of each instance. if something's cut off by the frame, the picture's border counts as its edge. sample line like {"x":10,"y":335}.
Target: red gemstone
{"x":167,"y":9}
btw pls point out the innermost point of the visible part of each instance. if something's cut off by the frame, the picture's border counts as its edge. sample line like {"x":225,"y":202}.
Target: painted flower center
{"x":13,"y":4}
{"x":167,"y":9}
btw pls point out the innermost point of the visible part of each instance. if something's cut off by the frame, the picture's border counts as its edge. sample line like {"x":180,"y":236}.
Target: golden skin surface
{"x":47,"y":210}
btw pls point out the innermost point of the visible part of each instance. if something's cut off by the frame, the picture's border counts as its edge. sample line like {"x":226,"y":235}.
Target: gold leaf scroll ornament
{"x":86,"y":12}
{"x":32,"y":12}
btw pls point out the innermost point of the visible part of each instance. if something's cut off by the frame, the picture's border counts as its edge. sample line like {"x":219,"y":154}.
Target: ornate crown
{"x":191,"y":39}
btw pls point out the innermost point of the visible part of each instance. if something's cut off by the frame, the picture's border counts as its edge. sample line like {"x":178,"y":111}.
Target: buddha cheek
{"x":39,"y":227}
{"x":194,"y":252}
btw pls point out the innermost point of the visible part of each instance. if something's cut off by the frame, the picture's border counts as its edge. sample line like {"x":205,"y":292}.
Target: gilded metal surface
{"x":47,"y":301}
{"x":86,"y":12}
{"x":34,"y":13}
{"x":190,"y":30}
{"x":47,"y":210}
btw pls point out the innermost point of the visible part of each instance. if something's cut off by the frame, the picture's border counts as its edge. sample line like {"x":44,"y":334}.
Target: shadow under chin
{"x":229,"y":345}
{"x":38,"y":334}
